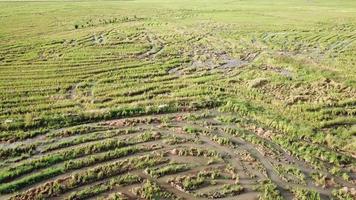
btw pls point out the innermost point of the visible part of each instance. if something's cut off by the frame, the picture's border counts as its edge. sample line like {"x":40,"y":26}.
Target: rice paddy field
{"x":178,"y":99}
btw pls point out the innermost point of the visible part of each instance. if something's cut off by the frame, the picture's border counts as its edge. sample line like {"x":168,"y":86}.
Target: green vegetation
{"x":152,"y":191}
{"x":303,"y":194}
{"x":189,"y":183}
{"x":225,"y":191}
{"x":342,"y":193}
{"x":269,"y":191}
{"x":103,"y":187}
{"x":170,"y":99}
{"x":165,"y":170}
{"x":287,"y":171}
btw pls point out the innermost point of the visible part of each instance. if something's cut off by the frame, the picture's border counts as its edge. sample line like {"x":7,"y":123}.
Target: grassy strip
{"x":94,"y":174}
{"x":169,"y":169}
{"x":69,"y":165}
{"x":90,"y":191}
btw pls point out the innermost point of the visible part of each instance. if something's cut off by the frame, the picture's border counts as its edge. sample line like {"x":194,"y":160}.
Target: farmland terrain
{"x":168,"y":99}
